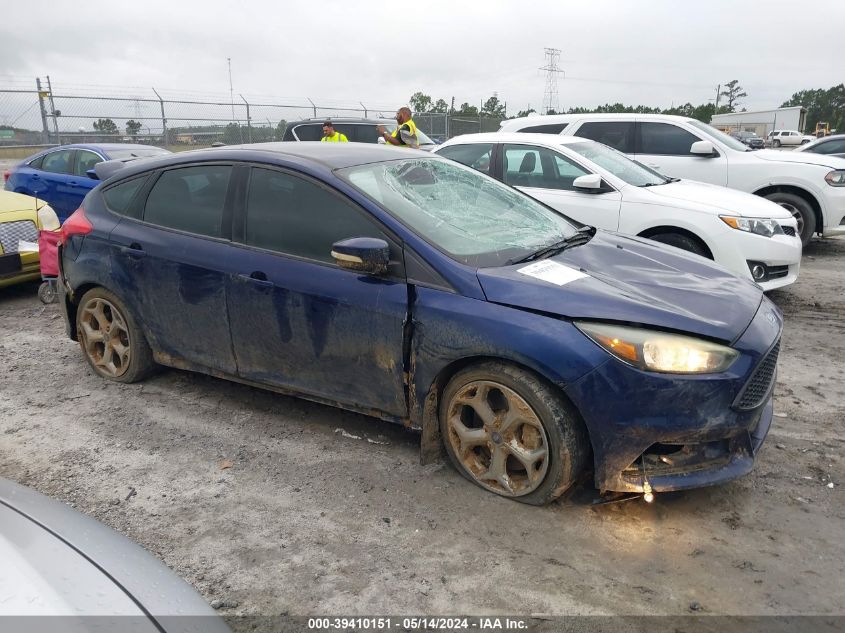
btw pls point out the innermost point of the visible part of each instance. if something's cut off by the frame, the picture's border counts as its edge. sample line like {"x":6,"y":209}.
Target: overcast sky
{"x":651,"y":52}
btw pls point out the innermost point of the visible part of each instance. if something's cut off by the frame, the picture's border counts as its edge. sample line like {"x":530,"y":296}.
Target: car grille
{"x":13,"y":232}
{"x":776,"y":272}
{"x":760,"y":383}
{"x":788,"y":230}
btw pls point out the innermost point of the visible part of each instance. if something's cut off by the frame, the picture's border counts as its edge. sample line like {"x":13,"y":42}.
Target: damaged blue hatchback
{"x":408,"y":287}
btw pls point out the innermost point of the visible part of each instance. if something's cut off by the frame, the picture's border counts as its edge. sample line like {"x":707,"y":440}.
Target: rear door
{"x":172,"y":262}
{"x":55,"y":182}
{"x":298,"y":320}
{"x":84,"y":160}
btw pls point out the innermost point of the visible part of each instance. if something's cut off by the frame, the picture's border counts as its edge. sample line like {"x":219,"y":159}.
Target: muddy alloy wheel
{"x":104,"y":336}
{"x":498,"y":438}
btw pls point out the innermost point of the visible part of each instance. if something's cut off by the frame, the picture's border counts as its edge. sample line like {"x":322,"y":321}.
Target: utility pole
{"x":53,"y":108}
{"x":42,"y":95}
{"x":231,"y":90}
{"x":718,"y":90}
{"x":550,"y":96}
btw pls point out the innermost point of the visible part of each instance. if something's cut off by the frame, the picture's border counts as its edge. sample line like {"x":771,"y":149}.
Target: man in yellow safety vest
{"x":405,"y":135}
{"x":330,"y":136}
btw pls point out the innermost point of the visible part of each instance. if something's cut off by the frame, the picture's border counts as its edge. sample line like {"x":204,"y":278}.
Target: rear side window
{"x":119,"y":197}
{"x":58,"y":162}
{"x":360,"y":133}
{"x":294,"y":216}
{"x":475,"y":155}
{"x":551,"y":128}
{"x":308,"y":132}
{"x":190,"y":199}
{"x":617,"y":134}
{"x":36,"y":164}
{"x":665,"y":139}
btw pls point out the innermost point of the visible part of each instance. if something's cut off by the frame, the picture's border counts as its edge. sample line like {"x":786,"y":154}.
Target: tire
{"x":110,"y":338}
{"x":776,"y":143}
{"x":549,"y":431}
{"x":800,"y":210}
{"x":684,"y":242}
{"x":47,"y":292}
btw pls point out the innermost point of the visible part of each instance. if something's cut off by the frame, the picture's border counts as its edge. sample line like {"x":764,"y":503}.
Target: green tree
{"x":440,"y":107}
{"x":733,"y":92}
{"x":280,"y":129}
{"x":822,"y":105}
{"x":467,"y":110}
{"x":493,"y":107}
{"x":133,"y":128}
{"x":233,"y":134}
{"x":525,"y":112}
{"x":420,"y":102}
{"x":106,"y":126}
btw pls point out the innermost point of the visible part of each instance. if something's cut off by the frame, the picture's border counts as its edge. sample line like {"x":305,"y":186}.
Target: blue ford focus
{"x":408,"y":287}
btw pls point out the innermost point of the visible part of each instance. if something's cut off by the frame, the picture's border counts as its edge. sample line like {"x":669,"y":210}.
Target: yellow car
{"x":21,"y":217}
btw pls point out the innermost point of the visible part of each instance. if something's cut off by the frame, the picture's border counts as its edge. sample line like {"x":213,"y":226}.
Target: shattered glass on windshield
{"x":472,"y":217}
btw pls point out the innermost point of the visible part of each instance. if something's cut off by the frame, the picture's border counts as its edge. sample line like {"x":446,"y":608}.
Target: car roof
{"x":335,"y":119}
{"x":516,"y":137}
{"x":329,"y":155}
{"x":566,"y":118}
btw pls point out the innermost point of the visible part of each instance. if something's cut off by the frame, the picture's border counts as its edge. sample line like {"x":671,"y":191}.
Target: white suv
{"x":812,"y":188}
{"x":787,"y":137}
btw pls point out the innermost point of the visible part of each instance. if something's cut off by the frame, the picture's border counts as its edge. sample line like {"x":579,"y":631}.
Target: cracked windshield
{"x":474,"y":219}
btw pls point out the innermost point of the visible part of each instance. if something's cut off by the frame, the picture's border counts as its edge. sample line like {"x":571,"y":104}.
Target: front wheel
{"x":800,"y":210}
{"x":509,"y":432}
{"x":110,"y":339}
{"x":684,"y":242}
{"x":776,"y":143}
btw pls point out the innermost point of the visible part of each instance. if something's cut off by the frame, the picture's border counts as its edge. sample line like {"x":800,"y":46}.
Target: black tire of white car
{"x":776,"y":143}
{"x":800,"y":210}
{"x":684,"y":242}
{"x":566,"y":443}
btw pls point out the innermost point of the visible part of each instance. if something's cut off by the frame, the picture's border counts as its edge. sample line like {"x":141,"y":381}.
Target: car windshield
{"x":473,"y":218}
{"x":618,"y":164}
{"x":720,"y":136}
{"x":136,"y":152}
{"x":421,"y":136}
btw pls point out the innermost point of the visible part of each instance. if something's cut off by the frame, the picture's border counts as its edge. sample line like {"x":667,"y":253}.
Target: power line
{"x":550,"y":96}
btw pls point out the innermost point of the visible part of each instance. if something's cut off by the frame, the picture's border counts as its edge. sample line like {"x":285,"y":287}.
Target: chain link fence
{"x":48,"y":115}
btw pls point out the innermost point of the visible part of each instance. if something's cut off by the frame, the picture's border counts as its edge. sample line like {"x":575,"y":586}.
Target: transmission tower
{"x":550,"y":96}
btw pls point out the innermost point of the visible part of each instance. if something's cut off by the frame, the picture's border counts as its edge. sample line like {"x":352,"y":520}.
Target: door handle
{"x":258,"y":278}
{"x":653,"y":165}
{"x":133,"y":250}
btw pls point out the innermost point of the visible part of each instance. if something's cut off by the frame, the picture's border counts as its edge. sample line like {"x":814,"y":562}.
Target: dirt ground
{"x":284,"y":506}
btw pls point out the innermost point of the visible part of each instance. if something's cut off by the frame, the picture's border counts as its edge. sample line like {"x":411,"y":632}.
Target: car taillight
{"x":76,"y":224}
{"x":6,"y":175}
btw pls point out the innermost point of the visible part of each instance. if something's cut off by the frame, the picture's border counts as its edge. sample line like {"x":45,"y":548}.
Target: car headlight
{"x":836,"y":178}
{"x":47,"y":219}
{"x":766,"y":228}
{"x":663,"y":352}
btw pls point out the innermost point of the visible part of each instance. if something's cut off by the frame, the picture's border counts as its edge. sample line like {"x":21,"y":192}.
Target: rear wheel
{"x":684,"y":242}
{"x":110,"y":339}
{"x":507,"y":431}
{"x":800,"y":210}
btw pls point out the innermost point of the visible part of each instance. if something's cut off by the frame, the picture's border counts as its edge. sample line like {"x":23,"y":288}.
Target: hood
{"x":636,"y":281}
{"x":11,"y":201}
{"x":718,"y":199}
{"x":800,"y":157}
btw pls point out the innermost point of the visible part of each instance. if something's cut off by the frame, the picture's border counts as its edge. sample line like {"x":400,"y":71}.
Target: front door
{"x":665,"y":147}
{"x":298,"y":320}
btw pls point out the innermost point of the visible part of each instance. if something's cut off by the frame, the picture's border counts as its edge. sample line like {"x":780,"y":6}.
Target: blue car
{"x":63,"y":176}
{"x":408,"y":287}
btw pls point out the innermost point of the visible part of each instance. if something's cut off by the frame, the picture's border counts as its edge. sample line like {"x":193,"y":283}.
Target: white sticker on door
{"x":553,"y":272}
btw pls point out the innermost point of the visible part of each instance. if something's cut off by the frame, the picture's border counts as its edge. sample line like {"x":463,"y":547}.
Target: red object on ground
{"x":48,"y":252}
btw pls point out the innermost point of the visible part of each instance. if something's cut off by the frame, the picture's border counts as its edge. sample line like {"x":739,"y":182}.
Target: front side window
{"x":830,"y":147}
{"x":58,"y":162}
{"x":86,"y":160}
{"x":665,"y":139}
{"x":718,"y":135}
{"x":294,"y":216}
{"x":190,"y":199}
{"x":617,"y":134}
{"x":475,"y":155}
{"x":618,"y":164}
{"x":474,"y":219}
{"x":532,"y":166}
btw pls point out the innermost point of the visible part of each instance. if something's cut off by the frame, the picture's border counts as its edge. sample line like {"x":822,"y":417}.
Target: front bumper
{"x":834,"y":211}
{"x":679,"y":431}
{"x":779,"y":252}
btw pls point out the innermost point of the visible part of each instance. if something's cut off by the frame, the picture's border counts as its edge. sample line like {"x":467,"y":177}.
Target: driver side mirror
{"x":590,"y":183}
{"x":362,"y":254}
{"x":704,"y":149}
{"x":92,"y":174}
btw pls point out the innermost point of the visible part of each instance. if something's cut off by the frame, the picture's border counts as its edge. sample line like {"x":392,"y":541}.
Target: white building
{"x":762,"y":121}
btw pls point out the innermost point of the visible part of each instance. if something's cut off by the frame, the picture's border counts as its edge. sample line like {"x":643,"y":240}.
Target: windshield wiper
{"x":582,"y":236}
{"x":666,"y":181}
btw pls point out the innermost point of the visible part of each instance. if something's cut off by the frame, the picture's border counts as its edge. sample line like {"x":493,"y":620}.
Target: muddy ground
{"x":267,"y":501}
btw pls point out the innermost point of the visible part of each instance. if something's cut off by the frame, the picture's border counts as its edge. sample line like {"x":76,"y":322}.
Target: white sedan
{"x":599,"y":186}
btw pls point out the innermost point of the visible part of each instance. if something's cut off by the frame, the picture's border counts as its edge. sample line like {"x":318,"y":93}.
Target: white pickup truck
{"x":811,"y":187}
